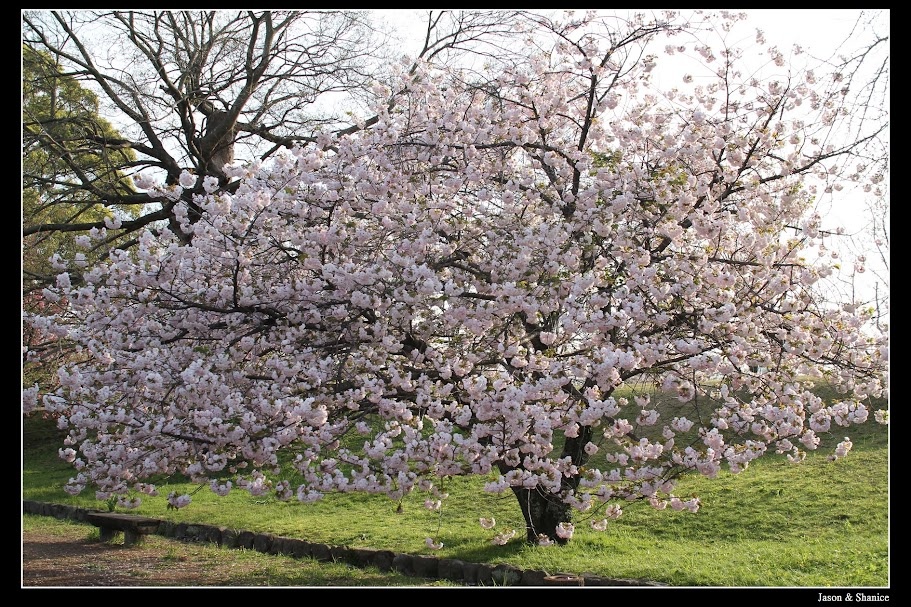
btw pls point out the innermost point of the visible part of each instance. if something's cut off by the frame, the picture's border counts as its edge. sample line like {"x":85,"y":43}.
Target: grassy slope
{"x":820,"y":523}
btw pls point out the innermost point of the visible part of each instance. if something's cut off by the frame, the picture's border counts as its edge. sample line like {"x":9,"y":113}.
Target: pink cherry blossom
{"x":501,"y":539}
{"x":187,"y":180}
{"x":433,"y":545}
{"x":461,"y":287}
{"x":565,"y":530}
{"x":178,"y":501}
{"x":130,"y":503}
{"x":599,"y":525}
{"x":842,"y":449}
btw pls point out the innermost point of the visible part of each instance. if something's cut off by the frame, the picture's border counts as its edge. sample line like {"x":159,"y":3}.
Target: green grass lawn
{"x":818,"y":523}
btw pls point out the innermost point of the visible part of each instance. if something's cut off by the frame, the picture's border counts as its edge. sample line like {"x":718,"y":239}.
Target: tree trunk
{"x":543,"y":512}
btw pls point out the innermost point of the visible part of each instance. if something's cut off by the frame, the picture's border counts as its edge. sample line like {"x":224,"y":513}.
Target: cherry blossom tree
{"x":188,"y":90}
{"x":463,"y":286}
{"x":192,"y":90}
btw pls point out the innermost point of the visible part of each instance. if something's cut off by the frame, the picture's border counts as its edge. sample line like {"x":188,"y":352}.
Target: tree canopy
{"x":462,"y":286}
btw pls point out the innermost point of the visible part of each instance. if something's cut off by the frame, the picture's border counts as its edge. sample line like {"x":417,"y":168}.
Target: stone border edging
{"x":423,"y":566}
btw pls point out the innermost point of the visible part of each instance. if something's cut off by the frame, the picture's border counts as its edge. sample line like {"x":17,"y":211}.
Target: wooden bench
{"x":134,"y":528}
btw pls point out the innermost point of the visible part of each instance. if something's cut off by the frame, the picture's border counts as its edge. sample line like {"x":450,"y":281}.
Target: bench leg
{"x":131,"y":538}
{"x":107,"y":534}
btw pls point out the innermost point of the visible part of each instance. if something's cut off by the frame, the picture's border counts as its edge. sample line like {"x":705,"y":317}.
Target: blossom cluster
{"x":461,"y":287}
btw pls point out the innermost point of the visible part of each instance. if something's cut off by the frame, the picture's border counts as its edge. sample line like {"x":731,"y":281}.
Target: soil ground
{"x":72,"y":556}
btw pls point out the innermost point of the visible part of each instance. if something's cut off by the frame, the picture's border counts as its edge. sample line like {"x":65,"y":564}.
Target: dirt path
{"x":71,"y":556}
{"x":68,"y":558}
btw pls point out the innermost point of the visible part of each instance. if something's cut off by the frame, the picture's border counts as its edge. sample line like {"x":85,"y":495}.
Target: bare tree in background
{"x":193,"y":89}
{"x":185,"y":88}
